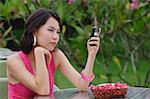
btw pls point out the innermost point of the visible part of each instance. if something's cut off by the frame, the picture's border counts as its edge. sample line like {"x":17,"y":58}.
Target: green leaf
{"x":103,"y":77}
{"x":117,"y":61}
{"x":7,"y":32}
{"x":63,"y":29}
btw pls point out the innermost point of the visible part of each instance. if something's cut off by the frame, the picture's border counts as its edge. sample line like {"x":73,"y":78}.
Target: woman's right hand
{"x":92,"y":50}
{"x":46,"y":53}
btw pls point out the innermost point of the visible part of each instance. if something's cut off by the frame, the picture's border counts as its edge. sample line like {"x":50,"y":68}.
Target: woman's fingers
{"x":93,"y":45}
{"x":94,"y":41}
{"x":48,"y":56}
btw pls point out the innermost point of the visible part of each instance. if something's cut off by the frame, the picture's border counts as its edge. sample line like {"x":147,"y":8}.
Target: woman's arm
{"x":92,"y":51}
{"x":68,"y":71}
{"x":41,"y":72}
{"x":39,"y":82}
{"x":72,"y":75}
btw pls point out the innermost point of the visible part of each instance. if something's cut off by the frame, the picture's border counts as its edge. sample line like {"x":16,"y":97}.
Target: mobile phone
{"x":96,"y":30}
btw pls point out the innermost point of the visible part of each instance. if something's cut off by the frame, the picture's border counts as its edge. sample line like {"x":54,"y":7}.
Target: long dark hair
{"x":32,"y":24}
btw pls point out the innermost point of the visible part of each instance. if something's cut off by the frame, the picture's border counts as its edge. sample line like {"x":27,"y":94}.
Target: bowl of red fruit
{"x":109,"y":90}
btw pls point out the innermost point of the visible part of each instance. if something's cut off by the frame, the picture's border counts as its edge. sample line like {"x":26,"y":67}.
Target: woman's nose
{"x":55,"y":35}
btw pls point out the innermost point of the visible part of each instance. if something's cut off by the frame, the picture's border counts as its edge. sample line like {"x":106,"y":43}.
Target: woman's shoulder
{"x":58,"y":56}
{"x":57,"y":52}
{"x":13,"y":58}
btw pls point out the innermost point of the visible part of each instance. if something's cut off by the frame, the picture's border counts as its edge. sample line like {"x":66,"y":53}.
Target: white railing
{"x":3,"y":79}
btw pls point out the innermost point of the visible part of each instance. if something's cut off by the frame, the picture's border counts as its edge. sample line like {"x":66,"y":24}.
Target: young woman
{"x":31,"y":70}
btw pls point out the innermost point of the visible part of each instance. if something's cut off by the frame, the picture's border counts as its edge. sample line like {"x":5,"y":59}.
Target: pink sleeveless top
{"x":19,"y":91}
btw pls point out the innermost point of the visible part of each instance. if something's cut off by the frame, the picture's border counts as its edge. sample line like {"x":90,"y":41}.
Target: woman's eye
{"x":50,"y":30}
{"x":58,"y":32}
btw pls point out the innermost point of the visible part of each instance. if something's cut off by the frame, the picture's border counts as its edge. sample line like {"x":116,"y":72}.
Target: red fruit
{"x":109,"y":90}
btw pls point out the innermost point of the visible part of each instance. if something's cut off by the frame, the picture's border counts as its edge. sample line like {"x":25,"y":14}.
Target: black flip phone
{"x":96,"y":30}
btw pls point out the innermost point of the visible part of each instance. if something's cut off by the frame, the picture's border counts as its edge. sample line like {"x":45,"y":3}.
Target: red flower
{"x":69,"y":1}
{"x":134,"y":4}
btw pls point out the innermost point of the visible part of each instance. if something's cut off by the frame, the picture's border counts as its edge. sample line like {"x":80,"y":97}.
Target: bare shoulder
{"x":13,"y":64}
{"x":57,"y":52}
{"x":58,"y":56}
{"x":12,"y":58}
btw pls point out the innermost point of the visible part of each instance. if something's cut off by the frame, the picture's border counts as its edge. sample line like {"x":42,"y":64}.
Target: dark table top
{"x":73,"y":93}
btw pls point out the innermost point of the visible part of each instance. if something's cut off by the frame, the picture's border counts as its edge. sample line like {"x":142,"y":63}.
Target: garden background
{"x":124,"y":54}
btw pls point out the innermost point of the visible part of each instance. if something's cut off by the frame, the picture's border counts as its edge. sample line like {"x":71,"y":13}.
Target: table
{"x":73,"y":93}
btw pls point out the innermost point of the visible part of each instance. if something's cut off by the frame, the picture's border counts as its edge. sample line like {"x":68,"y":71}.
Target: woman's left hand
{"x":93,"y":45}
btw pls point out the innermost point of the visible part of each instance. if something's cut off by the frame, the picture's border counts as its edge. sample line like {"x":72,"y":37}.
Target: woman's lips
{"x":53,"y":43}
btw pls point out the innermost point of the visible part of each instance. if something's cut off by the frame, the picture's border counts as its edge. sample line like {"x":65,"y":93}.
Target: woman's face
{"x":48,"y":34}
